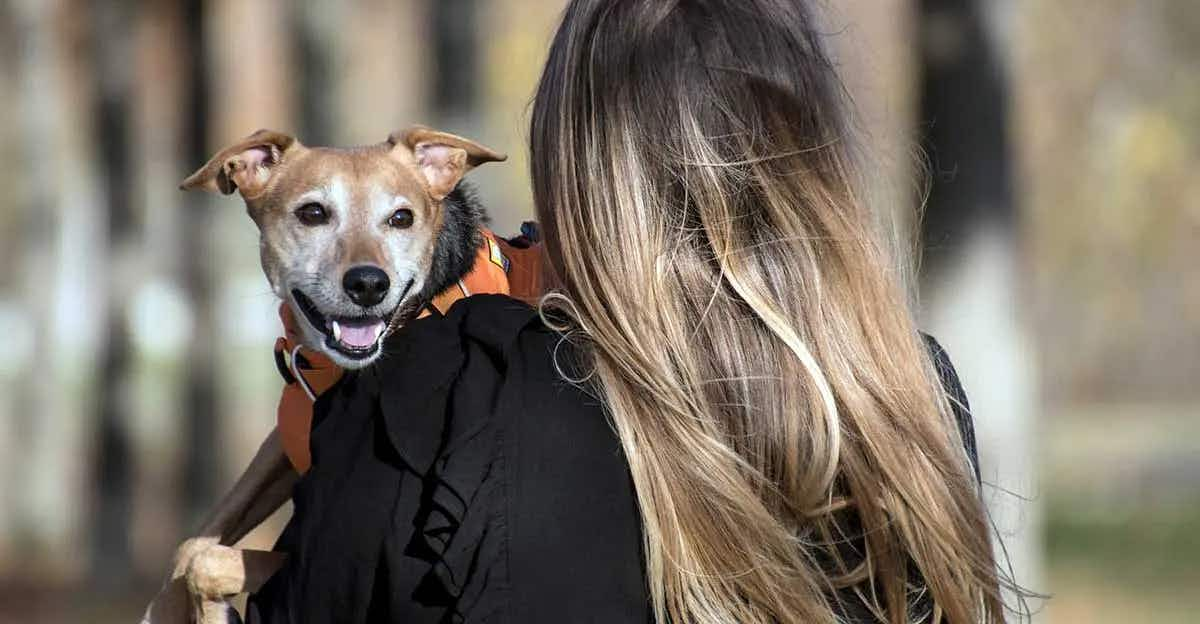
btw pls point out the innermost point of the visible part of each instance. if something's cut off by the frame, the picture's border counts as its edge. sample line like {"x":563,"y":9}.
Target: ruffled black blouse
{"x":461,"y":479}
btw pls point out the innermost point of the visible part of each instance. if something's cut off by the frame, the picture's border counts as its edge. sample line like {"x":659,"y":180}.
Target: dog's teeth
{"x":337,"y":331}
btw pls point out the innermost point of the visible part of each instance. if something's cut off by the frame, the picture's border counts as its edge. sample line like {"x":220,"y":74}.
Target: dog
{"x":354,"y":242}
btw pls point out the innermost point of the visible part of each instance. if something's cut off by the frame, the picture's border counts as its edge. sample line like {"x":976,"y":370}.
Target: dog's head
{"x":347,"y":235}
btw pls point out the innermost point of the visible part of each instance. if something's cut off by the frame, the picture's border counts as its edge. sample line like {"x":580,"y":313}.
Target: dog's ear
{"x":245,"y":166}
{"x":442,"y":158}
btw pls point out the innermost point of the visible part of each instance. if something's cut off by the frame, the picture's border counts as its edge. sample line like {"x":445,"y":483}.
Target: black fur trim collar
{"x":454,"y":252}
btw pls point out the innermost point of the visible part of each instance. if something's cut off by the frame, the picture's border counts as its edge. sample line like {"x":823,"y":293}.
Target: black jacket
{"x":460,"y":479}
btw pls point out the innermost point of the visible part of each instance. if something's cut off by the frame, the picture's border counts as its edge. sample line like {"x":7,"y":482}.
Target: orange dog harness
{"x":308,"y":374}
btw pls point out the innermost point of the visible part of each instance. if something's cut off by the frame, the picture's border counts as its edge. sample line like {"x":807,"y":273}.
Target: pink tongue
{"x":360,"y":335}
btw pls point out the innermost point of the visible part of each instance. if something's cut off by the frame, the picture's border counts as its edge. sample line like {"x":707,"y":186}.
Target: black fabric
{"x":958,"y":399}
{"x":461,"y":479}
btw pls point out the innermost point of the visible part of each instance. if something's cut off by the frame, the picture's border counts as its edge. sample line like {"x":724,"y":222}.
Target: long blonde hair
{"x":791,"y":446}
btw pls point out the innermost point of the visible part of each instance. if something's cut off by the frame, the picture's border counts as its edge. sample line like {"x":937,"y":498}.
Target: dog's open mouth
{"x":357,"y":338}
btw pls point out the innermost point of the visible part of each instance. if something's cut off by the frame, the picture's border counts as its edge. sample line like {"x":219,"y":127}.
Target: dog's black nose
{"x":366,"y":285}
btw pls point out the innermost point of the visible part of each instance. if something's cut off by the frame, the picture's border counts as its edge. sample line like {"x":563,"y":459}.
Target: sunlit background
{"x":1062,"y":265}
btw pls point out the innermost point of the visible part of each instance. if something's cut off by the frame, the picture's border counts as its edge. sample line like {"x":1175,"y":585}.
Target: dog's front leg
{"x":263,"y":487}
{"x":218,"y":573}
{"x":173,"y":605}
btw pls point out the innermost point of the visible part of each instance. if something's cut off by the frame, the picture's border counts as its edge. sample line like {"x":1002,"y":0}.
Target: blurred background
{"x":1061,"y":266}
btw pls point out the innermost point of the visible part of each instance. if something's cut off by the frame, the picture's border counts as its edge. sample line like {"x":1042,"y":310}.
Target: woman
{"x":725,"y":413}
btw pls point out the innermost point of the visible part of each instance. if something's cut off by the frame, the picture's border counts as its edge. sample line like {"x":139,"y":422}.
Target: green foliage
{"x":1141,"y":547}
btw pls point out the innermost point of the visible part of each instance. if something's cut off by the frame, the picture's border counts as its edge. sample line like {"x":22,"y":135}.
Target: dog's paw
{"x":216,"y":572}
{"x":188,"y":551}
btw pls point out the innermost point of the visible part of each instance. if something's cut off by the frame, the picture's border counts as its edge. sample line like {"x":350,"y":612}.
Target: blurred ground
{"x":1122,"y":513}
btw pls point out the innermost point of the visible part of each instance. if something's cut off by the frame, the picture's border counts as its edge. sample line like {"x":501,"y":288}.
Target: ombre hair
{"x":794,"y":454}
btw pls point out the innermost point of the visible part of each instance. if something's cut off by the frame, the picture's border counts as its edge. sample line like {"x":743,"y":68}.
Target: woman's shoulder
{"x":543,"y":361}
{"x":492,"y":362}
{"x":487,"y":354}
{"x":546,"y":398}
{"x":569,"y":511}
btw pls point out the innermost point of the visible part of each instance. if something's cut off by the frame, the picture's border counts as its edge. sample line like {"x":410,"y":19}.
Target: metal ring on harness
{"x":312,"y":396}
{"x":281,"y":364}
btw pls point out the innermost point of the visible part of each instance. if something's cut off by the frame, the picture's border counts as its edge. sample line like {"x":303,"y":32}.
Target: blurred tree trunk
{"x":112,"y":58}
{"x":62,"y":246}
{"x":972,"y":288}
{"x":382,"y":83}
{"x":201,"y":456}
{"x":317,"y":43}
{"x":34,"y":400}
{"x":160,"y":114}
{"x":456,"y":79}
{"x":12,"y":319}
{"x":965,"y":101}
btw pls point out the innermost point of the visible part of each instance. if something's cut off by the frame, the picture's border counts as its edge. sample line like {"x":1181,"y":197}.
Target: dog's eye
{"x":401,"y":219}
{"x":312,"y":213}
